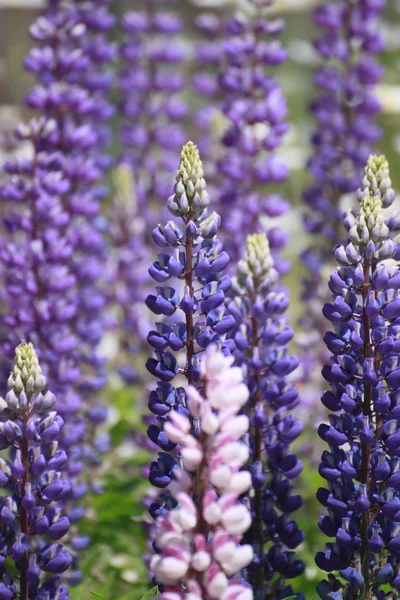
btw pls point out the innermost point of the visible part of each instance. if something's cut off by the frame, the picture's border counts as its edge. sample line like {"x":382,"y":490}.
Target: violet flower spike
{"x":361,"y":466}
{"x":31,"y":517}
{"x":53,"y":252}
{"x":258,"y":303}
{"x":256,"y":111}
{"x":151,"y":84}
{"x":200,"y":555}
{"x":345,"y":111}
{"x":195,"y":311}
{"x":129,"y":285}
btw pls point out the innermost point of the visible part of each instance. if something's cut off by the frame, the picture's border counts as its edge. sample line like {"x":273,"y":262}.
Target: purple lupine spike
{"x":198,"y":540}
{"x":53,"y":255}
{"x":207,"y":62}
{"x":258,"y":304}
{"x":256,"y":112}
{"x":361,"y":466}
{"x":151,"y":83}
{"x":31,"y":518}
{"x":346,"y":133}
{"x":195,"y":312}
{"x":129,"y":285}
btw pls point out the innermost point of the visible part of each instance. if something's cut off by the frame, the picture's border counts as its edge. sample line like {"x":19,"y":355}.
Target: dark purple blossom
{"x":31,"y":477}
{"x":361,"y":467}
{"x":258,"y":304}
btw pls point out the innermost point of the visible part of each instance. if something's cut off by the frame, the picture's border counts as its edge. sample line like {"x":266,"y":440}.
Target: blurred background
{"x":112,"y":566}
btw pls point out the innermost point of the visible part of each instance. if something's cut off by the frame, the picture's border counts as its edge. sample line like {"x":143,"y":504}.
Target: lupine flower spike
{"x":31,"y":520}
{"x":198,"y":541}
{"x":362,"y":465}
{"x":256,"y":111}
{"x":152,"y":83}
{"x":52,"y":249}
{"x":345,"y":112}
{"x":195,"y":311}
{"x":261,"y":336}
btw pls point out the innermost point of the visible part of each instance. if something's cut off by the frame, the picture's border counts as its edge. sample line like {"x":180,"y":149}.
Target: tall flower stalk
{"x":256,"y":111}
{"x":151,"y":83}
{"x":193,"y":306}
{"x":346,"y":133}
{"x":129,"y":285}
{"x":31,"y":518}
{"x":362,"y":467}
{"x":53,"y":256}
{"x":258,"y":303}
{"x":199,"y":539}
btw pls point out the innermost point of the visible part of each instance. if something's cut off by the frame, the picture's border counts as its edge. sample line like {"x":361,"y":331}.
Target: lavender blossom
{"x":207,"y":62}
{"x":151,"y":85}
{"x":199,"y":539}
{"x":129,"y":284}
{"x":346,"y":133}
{"x":53,"y":257}
{"x":31,"y":520}
{"x":196,"y":315}
{"x":362,"y":467}
{"x":261,"y":336}
{"x":256,"y":112}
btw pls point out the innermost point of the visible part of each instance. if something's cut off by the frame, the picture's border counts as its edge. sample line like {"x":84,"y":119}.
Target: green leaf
{"x":151,"y":593}
{"x":96,"y":596}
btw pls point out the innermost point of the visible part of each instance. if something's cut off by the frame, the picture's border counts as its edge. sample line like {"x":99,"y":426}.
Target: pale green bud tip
{"x":26,"y":374}
{"x":257,"y":260}
{"x":190,"y":195}
{"x":376,"y":180}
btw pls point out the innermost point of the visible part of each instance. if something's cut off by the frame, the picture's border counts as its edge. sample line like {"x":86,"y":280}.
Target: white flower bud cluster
{"x":190,"y":194}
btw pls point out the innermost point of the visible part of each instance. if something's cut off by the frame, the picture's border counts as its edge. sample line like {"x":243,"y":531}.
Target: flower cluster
{"x":256,"y":112}
{"x":344,"y":111}
{"x":52,"y":256}
{"x":151,"y":84}
{"x":362,"y":467}
{"x":261,"y":336}
{"x":197,"y":263}
{"x":199,"y":539}
{"x":31,"y":520}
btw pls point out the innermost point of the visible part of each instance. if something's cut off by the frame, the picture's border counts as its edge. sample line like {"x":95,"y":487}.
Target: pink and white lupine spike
{"x":199,"y":541}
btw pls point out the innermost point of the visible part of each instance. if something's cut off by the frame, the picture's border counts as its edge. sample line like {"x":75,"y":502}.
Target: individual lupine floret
{"x":31,"y":517}
{"x":262,"y":334}
{"x":195,"y":311}
{"x":151,"y":82}
{"x":362,"y":466}
{"x":256,"y":112}
{"x":198,"y":541}
{"x":345,"y":112}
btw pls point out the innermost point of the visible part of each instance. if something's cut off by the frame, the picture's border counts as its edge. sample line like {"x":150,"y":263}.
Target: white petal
{"x":201,"y":561}
{"x":236,"y":519}
{"x":192,"y":458}
{"x":170,"y":570}
{"x":217,"y":585}
{"x":239,"y":482}
{"x":209,"y":423}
